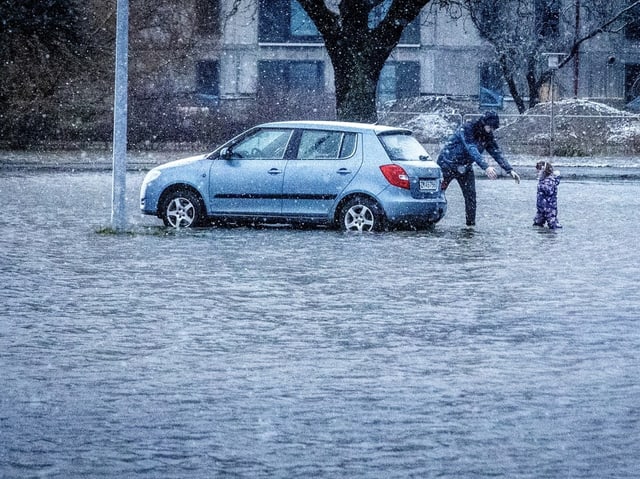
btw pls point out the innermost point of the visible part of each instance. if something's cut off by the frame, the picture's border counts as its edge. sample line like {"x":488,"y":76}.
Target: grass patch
{"x":131,"y":232}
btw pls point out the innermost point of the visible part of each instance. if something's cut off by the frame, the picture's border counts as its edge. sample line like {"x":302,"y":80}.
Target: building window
{"x":410,"y":34}
{"x":547,"y":17}
{"x":632,"y":81}
{"x":207,"y":78}
{"x":399,"y":80}
{"x":278,"y":77}
{"x":300,"y":25}
{"x":282,"y":21}
{"x":208,"y":16}
{"x":632,"y":29}
{"x":285,"y":21}
{"x":491,"y":86}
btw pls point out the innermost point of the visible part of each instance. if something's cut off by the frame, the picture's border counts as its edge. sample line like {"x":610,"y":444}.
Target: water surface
{"x":504,"y":351}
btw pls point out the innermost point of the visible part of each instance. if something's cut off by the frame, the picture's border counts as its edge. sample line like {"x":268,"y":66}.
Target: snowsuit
{"x":462,"y":150}
{"x":547,"y":201}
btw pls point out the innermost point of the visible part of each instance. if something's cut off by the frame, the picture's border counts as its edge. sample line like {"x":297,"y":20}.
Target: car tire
{"x":182,"y":209}
{"x":361,"y":214}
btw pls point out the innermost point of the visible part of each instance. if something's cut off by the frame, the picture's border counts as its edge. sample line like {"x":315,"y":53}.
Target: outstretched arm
{"x":474,"y":152}
{"x":494,"y":150}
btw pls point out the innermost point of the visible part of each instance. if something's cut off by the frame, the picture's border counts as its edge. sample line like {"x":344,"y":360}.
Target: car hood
{"x":182,"y":162}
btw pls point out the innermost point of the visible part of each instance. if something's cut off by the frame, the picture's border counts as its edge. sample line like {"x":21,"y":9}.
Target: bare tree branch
{"x":603,"y":28}
{"x":519,"y":37}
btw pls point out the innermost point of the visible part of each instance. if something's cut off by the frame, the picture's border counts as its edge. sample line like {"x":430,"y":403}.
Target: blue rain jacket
{"x":466,"y":146}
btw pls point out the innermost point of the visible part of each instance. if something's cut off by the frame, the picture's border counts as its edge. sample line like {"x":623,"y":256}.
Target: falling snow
{"x":580,"y":127}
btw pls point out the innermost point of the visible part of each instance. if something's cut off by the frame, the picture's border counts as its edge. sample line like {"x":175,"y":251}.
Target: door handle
{"x":275,"y":171}
{"x":344,"y":171}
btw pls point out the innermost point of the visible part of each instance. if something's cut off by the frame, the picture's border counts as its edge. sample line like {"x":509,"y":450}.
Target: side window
{"x":316,"y":144}
{"x":263,"y":144}
{"x":348,"y":145}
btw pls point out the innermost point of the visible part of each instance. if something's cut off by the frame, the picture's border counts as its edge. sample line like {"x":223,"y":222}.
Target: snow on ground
{"x":430,"y":126}
{"x":580,"y":127}
{"x":625,"y":133}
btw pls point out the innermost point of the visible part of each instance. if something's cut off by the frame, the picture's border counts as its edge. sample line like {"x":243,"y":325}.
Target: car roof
{"x":336,"y":125}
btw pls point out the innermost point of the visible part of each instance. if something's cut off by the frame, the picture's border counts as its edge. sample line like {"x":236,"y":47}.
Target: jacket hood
{"x":491,"y":119}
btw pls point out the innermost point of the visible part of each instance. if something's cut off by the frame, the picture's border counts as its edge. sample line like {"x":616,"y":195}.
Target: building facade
{"x":268,"y":52}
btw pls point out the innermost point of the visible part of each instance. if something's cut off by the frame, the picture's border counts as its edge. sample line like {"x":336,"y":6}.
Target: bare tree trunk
{"x":356,"y":97}
{"x":532,"y":82}
{"x":359,"y":50}
{"x":356,"y":82}
{"x":512,"y":84}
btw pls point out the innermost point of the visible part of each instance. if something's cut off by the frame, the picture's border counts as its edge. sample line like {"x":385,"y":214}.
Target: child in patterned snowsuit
{"x":547,"y":197}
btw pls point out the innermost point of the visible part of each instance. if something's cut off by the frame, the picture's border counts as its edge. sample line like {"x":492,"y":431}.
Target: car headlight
{"x":152,"y":175}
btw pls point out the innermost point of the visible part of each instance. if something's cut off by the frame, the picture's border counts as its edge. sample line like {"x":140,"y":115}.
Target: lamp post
{"x":118,"y":215}
{"x":553,"y":63}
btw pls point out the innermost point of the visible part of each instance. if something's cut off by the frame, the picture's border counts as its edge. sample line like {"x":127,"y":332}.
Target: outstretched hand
{"x":515,"y":176}
{"x":491,"y":173}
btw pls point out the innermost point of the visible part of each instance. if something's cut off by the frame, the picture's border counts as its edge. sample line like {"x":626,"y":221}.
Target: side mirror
{"x":225,"y":153}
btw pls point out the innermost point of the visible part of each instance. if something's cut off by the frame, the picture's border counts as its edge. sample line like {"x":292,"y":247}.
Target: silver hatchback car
{"x":348,"y":175}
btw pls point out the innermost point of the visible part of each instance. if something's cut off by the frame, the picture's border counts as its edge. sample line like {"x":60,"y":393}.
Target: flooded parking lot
{"x":504,"y":351}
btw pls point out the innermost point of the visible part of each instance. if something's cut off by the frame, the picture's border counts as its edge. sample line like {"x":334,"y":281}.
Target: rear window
{"x":403,"y":146}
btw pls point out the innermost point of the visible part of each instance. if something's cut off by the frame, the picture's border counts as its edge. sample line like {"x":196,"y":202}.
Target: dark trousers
{"x":467,"y":182}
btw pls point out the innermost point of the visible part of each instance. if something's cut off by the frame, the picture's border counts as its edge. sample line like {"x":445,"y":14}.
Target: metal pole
{"x":118,"y":210}
{"x":553,"y":124}
{"x":553,"y":62}
{"x":576,"y":59}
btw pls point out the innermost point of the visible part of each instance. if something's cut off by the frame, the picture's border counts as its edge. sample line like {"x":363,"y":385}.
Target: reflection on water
{"x":502,"y":351}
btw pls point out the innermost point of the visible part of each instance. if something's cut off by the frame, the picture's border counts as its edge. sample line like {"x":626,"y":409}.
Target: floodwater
{"x":504,"y":351}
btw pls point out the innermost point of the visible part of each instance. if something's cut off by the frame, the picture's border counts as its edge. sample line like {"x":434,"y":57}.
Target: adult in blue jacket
{"x":464,"y":148}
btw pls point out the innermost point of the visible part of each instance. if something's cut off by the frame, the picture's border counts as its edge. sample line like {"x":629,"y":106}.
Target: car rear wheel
{"x":182,"y":209}
{"x":361,"y":214}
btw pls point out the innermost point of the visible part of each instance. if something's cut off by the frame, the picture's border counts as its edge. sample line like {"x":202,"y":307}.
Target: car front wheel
{"x":361,"y":214}
{"x":182,"y":209}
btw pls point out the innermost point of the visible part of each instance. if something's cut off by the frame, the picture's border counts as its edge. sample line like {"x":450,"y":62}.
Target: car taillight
{"x":396,"y":176}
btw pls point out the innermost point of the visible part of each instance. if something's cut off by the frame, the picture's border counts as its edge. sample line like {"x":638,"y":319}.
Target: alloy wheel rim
{"x":180,"y":213}
{"x":359,"y":218}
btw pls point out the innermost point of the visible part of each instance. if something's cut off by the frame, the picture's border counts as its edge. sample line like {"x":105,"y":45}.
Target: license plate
{"x":428,"y":185}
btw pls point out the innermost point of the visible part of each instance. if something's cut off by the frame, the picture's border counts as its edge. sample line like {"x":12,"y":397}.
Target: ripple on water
{"x":500,"y":351}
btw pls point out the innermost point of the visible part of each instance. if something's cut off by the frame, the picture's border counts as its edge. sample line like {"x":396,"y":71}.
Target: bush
{"x":24,"y":129}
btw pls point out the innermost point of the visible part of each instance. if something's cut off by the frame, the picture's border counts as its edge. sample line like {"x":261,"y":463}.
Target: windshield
{"x":401,"y":146}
